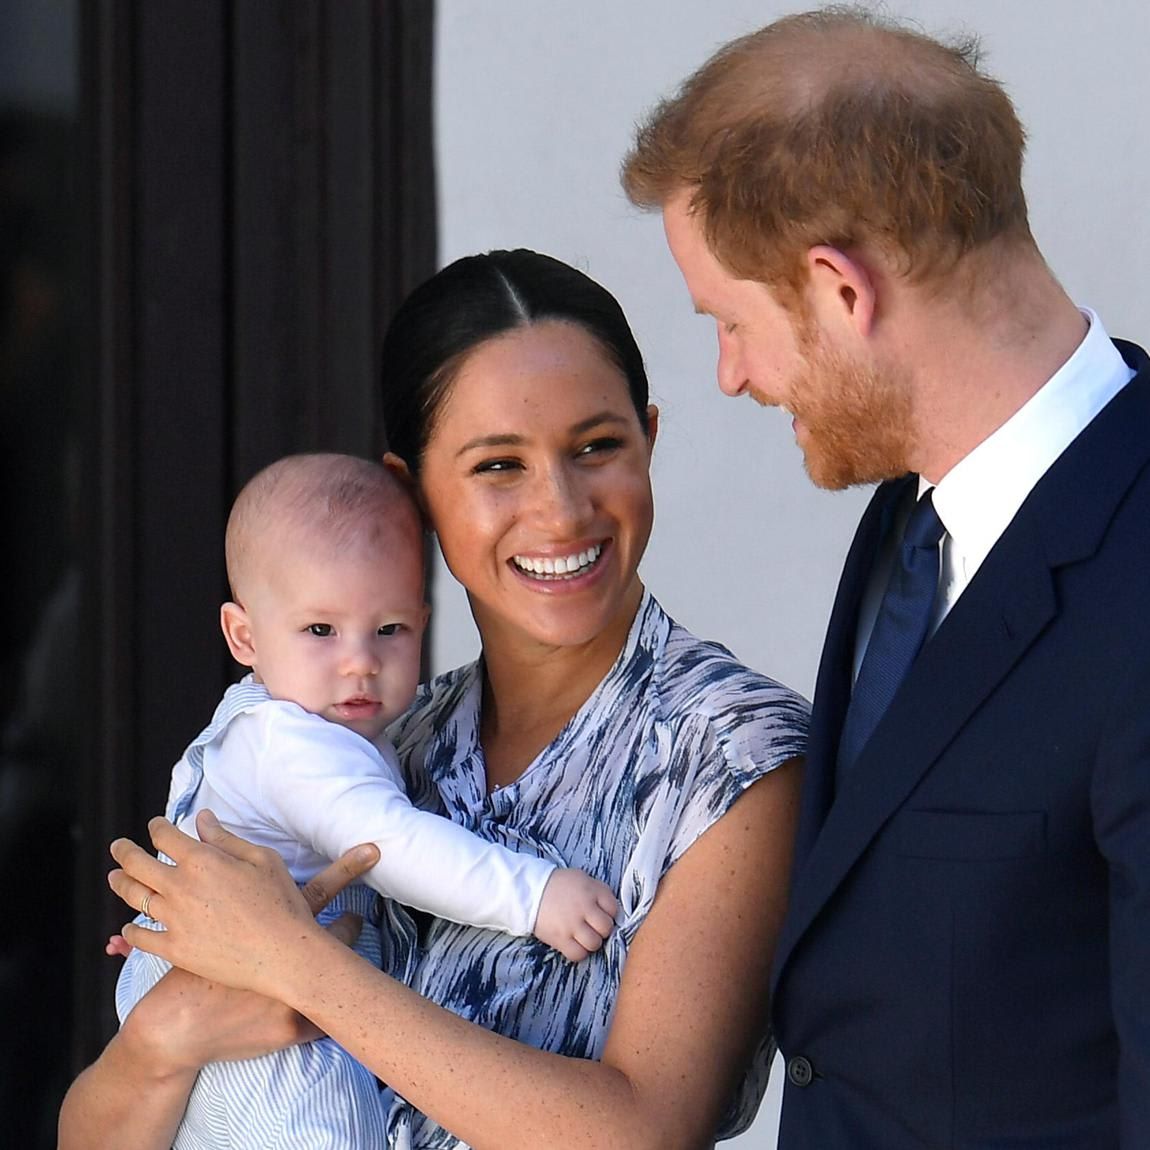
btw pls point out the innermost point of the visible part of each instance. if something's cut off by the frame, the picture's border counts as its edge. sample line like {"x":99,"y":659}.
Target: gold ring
{"x":144,"y":905}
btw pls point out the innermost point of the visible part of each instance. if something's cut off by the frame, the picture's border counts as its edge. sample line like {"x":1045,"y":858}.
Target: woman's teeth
{"x":560,"y":567}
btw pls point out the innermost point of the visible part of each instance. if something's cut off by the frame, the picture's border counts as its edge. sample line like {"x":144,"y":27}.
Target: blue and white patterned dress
{"x":664,"y":746}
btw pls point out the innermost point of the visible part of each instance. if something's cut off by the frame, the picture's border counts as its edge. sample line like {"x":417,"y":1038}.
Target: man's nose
{"x":732,"y":378}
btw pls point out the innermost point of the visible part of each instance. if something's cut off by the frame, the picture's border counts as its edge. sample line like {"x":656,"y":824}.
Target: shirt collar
{"x":980,"y":495}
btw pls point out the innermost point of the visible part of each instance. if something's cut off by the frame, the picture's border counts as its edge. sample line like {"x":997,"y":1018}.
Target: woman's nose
{"x":562,"y":500}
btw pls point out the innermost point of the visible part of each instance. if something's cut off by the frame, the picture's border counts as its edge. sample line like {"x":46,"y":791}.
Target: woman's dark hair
{"x":476,"y":299}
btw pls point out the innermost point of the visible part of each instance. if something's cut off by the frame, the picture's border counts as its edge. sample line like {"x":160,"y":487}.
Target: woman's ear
{"x":398,"y":467}
{"x":238,"y":634}
{"x":652,"y":425}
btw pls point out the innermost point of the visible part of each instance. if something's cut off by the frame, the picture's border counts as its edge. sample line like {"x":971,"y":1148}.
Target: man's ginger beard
{"x":857,"y":417}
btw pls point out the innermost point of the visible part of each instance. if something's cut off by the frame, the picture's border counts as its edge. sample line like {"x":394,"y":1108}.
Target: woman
{"x":593,"y":728}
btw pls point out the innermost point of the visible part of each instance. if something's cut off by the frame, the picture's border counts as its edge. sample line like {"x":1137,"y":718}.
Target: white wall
{"x":535,"y":105}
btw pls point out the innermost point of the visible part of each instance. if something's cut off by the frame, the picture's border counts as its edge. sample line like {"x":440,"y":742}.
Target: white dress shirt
{"x":977,"y":499}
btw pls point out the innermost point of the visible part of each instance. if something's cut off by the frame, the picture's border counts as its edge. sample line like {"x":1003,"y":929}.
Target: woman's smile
{"x":564,"y":567}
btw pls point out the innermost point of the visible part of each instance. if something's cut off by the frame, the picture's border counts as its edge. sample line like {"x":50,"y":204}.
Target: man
{"x":966,"y":958}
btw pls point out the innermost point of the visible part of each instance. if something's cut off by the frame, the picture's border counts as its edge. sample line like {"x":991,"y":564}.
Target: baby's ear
{"x":238,"y":633}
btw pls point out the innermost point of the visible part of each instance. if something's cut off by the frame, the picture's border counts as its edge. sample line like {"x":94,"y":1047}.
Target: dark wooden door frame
{"x":262,"y":192}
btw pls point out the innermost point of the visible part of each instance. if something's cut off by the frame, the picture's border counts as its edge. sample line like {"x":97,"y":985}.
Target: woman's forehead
{"x":550,"y":372}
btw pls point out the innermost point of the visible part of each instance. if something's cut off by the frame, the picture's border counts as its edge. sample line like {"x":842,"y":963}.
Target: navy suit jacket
{"x":965,"y":962}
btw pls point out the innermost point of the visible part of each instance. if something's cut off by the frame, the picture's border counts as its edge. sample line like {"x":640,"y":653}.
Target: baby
{"x":325,"y":562}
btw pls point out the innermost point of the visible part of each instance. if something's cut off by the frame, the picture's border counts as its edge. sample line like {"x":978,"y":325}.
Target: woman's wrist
{"x":303,"y":964}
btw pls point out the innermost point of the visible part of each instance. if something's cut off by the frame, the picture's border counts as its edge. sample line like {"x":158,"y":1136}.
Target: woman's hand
{"x":226,"y":903}
{"x":134,"y":1095}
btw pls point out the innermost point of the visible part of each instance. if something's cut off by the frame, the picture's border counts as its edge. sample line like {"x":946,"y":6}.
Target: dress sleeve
{"x":331,"y":789}
{"x":745,"y":734}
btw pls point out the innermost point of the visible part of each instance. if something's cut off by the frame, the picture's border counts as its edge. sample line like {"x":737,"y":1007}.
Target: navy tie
{"x":900,"y":629}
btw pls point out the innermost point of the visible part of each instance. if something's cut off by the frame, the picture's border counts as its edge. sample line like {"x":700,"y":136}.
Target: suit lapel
{"x":999,"y":616}
{"x":988,"y":631}
{"x":832,"y":687}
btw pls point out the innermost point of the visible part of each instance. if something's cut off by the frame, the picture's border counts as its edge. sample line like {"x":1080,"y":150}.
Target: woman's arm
{"x":692,"y":1004}
{"x":134,"y":1095}
{"x":124,"y":1099}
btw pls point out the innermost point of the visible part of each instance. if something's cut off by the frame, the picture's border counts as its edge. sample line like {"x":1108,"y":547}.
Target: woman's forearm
{"x":122,"y":1101}
{"x":492,"y":1092}
{"x":690,"y":1010}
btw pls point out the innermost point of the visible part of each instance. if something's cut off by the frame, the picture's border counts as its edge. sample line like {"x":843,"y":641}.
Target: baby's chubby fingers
{"x":606,"y":901}
{"x":117,"y":947}
{"x":574,"y":951}
{"x":588,"y":938}
{"x":600,"y":921}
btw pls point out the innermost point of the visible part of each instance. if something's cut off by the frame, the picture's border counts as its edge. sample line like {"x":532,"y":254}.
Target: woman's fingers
{"x":335,"y":876}
{"x":212,"y":832}
{"x":225,"y":888}
{"x":139,"y":896}
{"x":139,"y":867}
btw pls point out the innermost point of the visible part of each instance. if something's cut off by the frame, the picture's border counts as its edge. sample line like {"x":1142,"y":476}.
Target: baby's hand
{"x":576,"y":913}
{"x":116,"y":945}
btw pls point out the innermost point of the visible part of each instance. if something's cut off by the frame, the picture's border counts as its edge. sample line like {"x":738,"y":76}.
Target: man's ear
{"x":842,"y":291}
{"x":238,"y":634}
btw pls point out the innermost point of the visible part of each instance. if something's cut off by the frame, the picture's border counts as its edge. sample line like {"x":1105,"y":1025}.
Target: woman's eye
{"x":320,"y":630}
{"x":596,"y":446}
{"x":496,"y":466}
{"x":391,"y":629}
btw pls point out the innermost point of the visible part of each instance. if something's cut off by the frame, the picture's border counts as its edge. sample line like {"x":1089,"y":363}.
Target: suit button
{"x":800,"y":1071}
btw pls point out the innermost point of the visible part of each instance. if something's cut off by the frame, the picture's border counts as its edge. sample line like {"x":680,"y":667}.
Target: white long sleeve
{"x":311,"y":789}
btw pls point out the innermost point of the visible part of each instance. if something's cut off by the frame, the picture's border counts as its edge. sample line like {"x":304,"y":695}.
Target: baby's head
{"x":325,"y":562}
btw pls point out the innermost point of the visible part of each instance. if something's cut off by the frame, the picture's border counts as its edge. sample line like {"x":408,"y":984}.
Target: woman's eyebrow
{"x":510,"y":439}
{"x":595,"y":420}
{"x":504,"y":440}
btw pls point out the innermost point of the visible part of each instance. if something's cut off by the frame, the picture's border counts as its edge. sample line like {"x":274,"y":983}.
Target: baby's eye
{"x":391,"y":629}
{"x":320,"y":630}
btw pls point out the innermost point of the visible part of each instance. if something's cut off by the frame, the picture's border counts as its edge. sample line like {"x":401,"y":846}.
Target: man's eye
{"x":391,"y":629}
{"x":320,"y":630}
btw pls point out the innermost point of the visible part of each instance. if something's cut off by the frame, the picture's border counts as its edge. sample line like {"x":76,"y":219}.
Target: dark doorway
{"x":209,"y":212}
